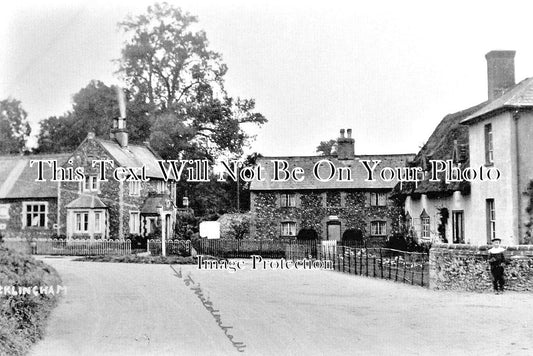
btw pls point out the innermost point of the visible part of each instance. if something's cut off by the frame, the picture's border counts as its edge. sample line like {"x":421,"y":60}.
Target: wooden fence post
{"x":366,"y":260}
{"x":404,"y":265}
{"x":390,"y":266}
{"x":355,"y":260}
{"x":422,"y":279}
{"x":397,"y":266}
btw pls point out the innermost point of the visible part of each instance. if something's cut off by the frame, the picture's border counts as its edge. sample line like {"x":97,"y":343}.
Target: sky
{"x":388,"y":70}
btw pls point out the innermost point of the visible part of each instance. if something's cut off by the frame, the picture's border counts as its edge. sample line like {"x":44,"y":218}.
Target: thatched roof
{"x":449,"y":141}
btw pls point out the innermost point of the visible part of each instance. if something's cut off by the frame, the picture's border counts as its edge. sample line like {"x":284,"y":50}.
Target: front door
{"x":334,"y":231}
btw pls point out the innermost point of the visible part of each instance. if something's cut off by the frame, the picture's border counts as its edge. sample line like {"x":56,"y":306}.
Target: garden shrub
{"x":23,"y":317}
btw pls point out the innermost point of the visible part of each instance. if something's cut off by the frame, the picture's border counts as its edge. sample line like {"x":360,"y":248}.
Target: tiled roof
{"x":86,"y":201}
{"x":134,"y":156}
{"x":520,"y":96}
{"x":17,"y":178}
{"x":359,"y":173}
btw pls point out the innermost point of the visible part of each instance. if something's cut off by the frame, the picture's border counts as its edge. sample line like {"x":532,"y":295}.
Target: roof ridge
{"x":17,"y":156}
{"x":330,"y":156}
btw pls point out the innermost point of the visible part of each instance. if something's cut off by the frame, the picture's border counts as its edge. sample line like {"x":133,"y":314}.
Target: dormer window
{"x":425,"y":225}
{"x":90,"y":184}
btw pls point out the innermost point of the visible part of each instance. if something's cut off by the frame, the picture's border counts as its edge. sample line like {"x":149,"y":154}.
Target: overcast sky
{"x":390,"y":70}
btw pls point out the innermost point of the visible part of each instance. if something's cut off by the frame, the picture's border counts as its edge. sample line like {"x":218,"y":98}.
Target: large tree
{"x":167,"y":64}
{"x":14,"y":126}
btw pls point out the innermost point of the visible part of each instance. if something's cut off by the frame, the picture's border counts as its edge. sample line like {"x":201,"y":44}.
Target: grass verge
{"x":23,"y":317}
{"x":180,"y":260}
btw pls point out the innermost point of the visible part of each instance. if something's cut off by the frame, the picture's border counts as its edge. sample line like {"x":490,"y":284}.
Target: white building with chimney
{"x":497,"y":135}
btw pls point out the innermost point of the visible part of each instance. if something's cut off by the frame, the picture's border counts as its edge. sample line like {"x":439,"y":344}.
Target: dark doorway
{"x":307,"y":240}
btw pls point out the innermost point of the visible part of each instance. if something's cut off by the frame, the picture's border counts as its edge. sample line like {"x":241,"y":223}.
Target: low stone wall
{"x":466,"y":267}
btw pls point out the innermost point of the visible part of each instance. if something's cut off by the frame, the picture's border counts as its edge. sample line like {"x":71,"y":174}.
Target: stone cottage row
{"x":495,"y":134}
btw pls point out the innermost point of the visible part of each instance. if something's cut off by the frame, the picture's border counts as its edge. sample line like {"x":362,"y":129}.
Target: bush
{"x":407,"y":243}
{"x":138,"y":242}
{"x":397,"y":242}
{"x":22,"y":317}
{"x":56,"y":236}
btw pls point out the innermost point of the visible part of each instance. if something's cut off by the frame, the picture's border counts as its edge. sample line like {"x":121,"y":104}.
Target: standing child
{"x":497,"y":262}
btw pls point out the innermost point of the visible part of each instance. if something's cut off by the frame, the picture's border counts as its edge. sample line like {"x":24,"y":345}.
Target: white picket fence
{"x":70,"y":247}
{"x":328,"y":247}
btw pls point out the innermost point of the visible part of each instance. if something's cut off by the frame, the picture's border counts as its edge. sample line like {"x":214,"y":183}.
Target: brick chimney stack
{"x":345,"y":145}
{"x":119,"y":131}
{"x":500,"y":72}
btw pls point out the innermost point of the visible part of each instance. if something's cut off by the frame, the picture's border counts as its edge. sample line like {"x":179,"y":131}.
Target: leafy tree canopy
{"x":14,"y":126}
{"x":167,"y":65}
{"x":324,"y":147}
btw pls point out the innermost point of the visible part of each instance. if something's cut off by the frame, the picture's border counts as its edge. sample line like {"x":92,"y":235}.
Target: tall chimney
{"x":500,"y":72}
{"x":345,"y":146}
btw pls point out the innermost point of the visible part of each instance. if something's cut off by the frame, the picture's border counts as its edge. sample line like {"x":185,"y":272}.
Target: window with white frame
{"x":378,"y":228}
{"x":161,"y":187}
{"x":35,"y":214}
{"x":378,"y":199}
{"x":135,"y":188}
{"x":98,"y":222}
{"x":4,"y":211}
{"x":287,"y":200}
{"x":81,"y":221}
{"x":489,"y":146}
{"x":90,"y":184}
{"x":425,"y":225}
{"x":288,"y":228}
{"x":134,"y":222}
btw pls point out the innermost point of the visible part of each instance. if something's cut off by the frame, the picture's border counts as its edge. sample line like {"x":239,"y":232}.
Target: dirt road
{"x":133,"y":309}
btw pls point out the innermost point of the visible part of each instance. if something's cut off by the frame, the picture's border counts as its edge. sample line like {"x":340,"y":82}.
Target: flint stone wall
{"x":466,"y":267}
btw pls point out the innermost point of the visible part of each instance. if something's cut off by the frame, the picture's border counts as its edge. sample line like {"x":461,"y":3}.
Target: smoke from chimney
{"x":121,"y":102}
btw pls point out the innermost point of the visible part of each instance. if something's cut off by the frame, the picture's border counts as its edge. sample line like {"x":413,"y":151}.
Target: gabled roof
{"x":519,"y":96}
{"x":87,"y":202}
{"x":359,"y":173}
{"x":152,"y":202}
{"x":17,"y":178}
{"x":133,"y":156}
{"x":441,"y":146}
